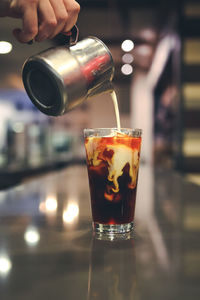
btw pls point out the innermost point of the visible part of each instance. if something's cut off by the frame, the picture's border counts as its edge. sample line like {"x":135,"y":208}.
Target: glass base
{"x":112,"y":229}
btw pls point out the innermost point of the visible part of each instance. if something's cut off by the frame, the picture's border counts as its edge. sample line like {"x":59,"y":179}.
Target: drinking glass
{"x":112,"y":157}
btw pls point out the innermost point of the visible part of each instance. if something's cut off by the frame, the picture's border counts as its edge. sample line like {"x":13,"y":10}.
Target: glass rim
{"x":135,"y":132}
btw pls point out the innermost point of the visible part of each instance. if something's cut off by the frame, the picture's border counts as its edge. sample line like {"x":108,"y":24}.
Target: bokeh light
{"x":127,"y":69}
{"x":5,"y":47}
{"x":32,"y":236}
{"x":5,"y":265}
{"x":127,"y":45}
{"x":127,"y":58}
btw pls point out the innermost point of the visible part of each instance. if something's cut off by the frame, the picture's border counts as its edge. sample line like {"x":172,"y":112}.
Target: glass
{"x":113,"y":161}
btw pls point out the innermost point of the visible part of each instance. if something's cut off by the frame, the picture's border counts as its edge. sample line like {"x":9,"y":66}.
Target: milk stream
{"x":116,"y":108}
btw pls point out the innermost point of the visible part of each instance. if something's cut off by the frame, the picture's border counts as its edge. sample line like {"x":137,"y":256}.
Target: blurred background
{"x":156,"y":50}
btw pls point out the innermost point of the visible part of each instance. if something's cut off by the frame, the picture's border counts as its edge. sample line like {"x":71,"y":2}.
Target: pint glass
{"x":112,"y":157}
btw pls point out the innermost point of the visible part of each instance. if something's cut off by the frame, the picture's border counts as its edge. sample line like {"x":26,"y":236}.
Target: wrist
{"x":4,"y":7}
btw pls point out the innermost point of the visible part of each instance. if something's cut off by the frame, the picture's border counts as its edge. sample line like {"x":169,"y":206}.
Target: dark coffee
{"x":113,"y":164}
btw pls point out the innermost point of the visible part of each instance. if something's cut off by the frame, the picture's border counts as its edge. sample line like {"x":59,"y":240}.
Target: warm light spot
{"x":127,"y":45}
{"x":71,"y":212}
{"x":32,"y":236}
{"x":5,"y":265}
{"x":127,"y":69}
{"x":51,"y":203}
{"x":5,"y":47}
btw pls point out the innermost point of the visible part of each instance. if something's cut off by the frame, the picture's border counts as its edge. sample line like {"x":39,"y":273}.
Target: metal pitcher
{"x":60,"y":78}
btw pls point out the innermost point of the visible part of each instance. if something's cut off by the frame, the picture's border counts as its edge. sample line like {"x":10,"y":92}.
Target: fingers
{"x":65,"y":17}
{"x":47,"y":20}
{"x":30,"y":24}
{"x":73,"y":9}
{"x":43,"y":19}
{"x":61,"y":15}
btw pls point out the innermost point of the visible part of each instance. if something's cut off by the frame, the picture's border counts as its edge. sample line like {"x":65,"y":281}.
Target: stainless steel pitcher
{"x":60,"y":78}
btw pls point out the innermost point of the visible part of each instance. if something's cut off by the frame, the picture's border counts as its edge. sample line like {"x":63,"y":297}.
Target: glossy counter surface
{"x":47,"y":249}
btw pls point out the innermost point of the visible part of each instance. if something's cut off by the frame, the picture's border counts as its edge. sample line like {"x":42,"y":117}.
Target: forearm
{"x":4,"y":7}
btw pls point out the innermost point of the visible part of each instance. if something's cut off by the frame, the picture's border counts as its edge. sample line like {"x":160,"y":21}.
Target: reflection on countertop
{"x":48,"y":251}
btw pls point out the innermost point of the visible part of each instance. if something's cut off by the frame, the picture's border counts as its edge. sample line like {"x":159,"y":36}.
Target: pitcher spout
{"x":107,"y":87}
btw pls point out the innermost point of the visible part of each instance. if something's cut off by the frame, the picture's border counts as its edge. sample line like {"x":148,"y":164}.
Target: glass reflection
{"x":32,"y":236}
{"x":71,"y":212}
{"x":5,"y":265}
{"x":50,"y":204}
{"x":112,"y":270}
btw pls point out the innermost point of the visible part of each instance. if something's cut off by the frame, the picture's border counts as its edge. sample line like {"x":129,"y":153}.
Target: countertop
{"x":48,"y":250}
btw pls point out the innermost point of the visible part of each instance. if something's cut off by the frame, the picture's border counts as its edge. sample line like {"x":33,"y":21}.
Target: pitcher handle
{"x":71,"y":36}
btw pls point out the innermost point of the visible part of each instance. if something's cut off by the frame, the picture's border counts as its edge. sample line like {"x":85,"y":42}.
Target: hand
{"x":43,"y":19}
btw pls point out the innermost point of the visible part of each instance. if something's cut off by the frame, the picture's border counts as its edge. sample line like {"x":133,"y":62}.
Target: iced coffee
{"x":113,"y":163}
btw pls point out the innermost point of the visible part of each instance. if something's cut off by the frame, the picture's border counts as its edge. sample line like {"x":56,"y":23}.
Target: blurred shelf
{"x":192,"y":105}
{"x":194,"y":178}
{"x":191,"y":73}
{"x":192,"y":118}
{"x":15,"y":174}
{"x":190,"y":77}
{"x":191,"y":151}
{"x":191,"y":143}
{"x":192,"y":9}
{"x":190,"y":27}
{"x":191,"y":50}
{"x":191,"y":164}
{"x":191,"y":94}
